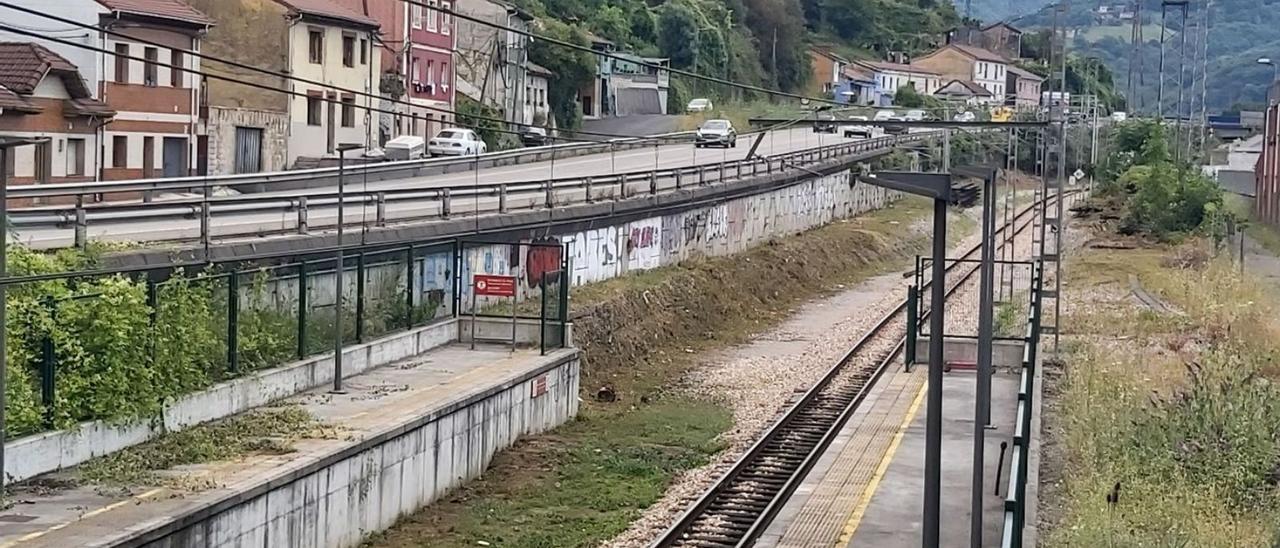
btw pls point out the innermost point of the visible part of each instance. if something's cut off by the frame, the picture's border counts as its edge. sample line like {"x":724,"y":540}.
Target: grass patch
{"x":1178,"y":413}
{"x":587,"y":481}
{"x":1266,"y":235}
{"x":271,"y":431}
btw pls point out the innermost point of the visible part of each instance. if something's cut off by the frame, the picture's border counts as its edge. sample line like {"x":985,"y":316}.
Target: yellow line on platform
{"x":107,"y":508}
{"x":856,"y":518}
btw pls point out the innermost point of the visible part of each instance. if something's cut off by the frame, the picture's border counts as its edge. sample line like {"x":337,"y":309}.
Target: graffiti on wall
{"x":644,"y":244}
{"x":594,"y":253}
{"x":542,"y":262}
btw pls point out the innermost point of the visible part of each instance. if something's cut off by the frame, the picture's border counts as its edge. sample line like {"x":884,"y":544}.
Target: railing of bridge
{"x":1015,"y":501}
{"x":296,"y":211}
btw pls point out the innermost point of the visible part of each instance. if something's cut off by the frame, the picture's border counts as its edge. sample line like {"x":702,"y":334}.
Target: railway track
{"x":744,"y":501}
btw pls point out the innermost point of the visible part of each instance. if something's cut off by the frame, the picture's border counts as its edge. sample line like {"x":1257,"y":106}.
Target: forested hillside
{"x":759,"y":42}
{"x":1241,"y":31}
{"x":1000,"y":10}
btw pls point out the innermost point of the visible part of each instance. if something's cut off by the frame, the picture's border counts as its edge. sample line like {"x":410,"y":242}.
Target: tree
{"x":612,"y":23}
{"x":678,"y":34}
{"x":573,"y":69}
{"x":908,"y":97}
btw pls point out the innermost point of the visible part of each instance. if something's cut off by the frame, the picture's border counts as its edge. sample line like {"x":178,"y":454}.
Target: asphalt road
{"x":250,"y":224}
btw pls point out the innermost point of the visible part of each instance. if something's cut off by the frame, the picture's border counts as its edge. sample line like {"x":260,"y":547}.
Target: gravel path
{"x":763,"y":378}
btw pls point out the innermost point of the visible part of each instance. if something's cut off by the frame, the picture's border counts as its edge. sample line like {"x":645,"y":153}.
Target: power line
{"x":620,"y":57}
{"x":277,"y":74}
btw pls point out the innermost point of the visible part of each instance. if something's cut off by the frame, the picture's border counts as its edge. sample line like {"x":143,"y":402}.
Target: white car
{"x":456,"y":142}
{"x":885,"y":116}
{"x":1119,"y":117}
{"x":854,"y":129}
{"x":699,"y":105}
{"x":916,"y":116}
{"x":965,"y":117}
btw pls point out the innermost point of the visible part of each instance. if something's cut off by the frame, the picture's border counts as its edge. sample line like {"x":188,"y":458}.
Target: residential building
{"x":889,"y":76}
{"x":428,"y":68}
{"x":967,"y":92}
{"x":637,"y":86}
{"x":313,"y":40}
{"x":537,"y":109}
{"x":1001,"y":38}
{"x":43,"y":95}
{"x":157,"y":130}
{"x":968,"y":63}
{"x":827,"y":68}
{"x":594,"y":96}
{"x":492,"y":63}
{"x":857,"y":86}
{"x":1022,"y":88}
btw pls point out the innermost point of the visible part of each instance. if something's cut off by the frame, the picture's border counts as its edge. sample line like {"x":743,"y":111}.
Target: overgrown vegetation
{"x":1174,"y":414}
{"x":270,"y":431}
{"x":120,"y":348}
{"x":1157,"y":196}
{"x":756,"y":42}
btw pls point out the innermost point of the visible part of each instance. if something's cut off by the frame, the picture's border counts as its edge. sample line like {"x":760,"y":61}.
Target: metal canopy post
{"x":339,"y":265}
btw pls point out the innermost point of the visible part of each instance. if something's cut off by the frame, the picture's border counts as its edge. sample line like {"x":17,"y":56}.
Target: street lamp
{"x":7,"y":145}
{"x":340,"y":263}
{"x":1275,"y":69}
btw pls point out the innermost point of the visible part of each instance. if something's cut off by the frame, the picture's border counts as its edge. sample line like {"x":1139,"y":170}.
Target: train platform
{"x":866,"y":489}
{"x":397,"y":438}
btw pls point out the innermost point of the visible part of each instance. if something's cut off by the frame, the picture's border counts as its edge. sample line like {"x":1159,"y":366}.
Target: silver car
{"x":718,"y":133}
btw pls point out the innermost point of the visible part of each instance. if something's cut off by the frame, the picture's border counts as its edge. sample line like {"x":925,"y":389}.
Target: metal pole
{"x":1160,"y":93}
{"x":1182,"y":80}
{"x":4,"y":365}
{"x":933,"y":426}
{"x":982,"y":404}
{"x":337,"y":278}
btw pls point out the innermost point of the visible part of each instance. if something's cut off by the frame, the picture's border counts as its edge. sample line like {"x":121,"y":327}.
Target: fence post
{"x":381,"y":203}
{"x":302,"y":310}
{"x":586,"y":183}
{"x":913,"y":325}
{"x":653,"y":182}
{"x":82,"y":223}
{"x":564,"y":303}
{"x":702,"y":175}
{"x":542,"y":324}
{"x":233,"y":322}
{"x":444,"y":202}
{"x":360,"y":297}
{"x":679,"y":175}
{"x":153,"y":302}
{"x":302,"y":214}
{"x":48,"y":358}
{"x":408,"y":288}
{"x":502,"y":198}
{"x":204,"y":222}
{"x":551,"y":194}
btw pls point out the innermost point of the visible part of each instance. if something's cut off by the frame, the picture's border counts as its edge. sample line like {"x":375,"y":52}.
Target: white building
{"x":968,"y":63}
{"x":537,"y":106}
{"x":891,"y":76}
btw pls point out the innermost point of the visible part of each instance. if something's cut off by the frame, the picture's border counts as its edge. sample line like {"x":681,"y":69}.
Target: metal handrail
{"x":439,"y":200}
{"x":1015,"y":501}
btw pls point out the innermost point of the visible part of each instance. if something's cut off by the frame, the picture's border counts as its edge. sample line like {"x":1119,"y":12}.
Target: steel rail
{"x":766,"y":466}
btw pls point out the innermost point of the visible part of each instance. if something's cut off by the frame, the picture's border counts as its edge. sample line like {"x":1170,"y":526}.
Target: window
{"x":315,"y":46}
{"x":444,"y":75}
{"x":349,"y":111}
{"x":413,"y":69}
{"x":120,"y":151}
{"x":149,"y":68}
{"x":364,"y":51}
{"x":446,"y":19}
{"x":415,"y":15}
{"x":431,"y":72}
{"x":122,"y":63}
{"x":528,"y":96}
{"x":75,"y":157}
{"x":348,"y":50}
{"x":175,"y":74}
{"x":44,"y":161}
{"x":431,"y":16}
{"x":313,"y":110}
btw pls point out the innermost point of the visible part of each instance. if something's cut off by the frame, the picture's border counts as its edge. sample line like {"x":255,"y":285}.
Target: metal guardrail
{"x":290,"y":180}
{"x":294,"y":213}
{"x":1015,"y":501}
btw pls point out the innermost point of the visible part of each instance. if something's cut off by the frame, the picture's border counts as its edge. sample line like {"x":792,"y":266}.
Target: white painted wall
{"x":990,"y":76}
{"x":312,"y":141}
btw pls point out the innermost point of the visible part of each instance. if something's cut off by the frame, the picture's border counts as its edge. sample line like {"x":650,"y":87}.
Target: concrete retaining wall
{"x":30,"y":456}
{"x":1006,"y":354}
{"x":336,"y":501}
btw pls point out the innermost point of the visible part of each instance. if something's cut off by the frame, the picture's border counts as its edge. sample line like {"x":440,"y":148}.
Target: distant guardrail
{"x":194,"y":218}
{"x":146,"y":189}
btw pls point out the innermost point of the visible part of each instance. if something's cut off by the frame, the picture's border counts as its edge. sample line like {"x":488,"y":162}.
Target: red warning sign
{"x":495,"y":286}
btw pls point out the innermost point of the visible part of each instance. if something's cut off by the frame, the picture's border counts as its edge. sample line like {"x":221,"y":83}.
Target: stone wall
{"x":222,"y":138}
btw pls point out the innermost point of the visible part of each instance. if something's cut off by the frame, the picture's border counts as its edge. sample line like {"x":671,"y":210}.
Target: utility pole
{"x":1160,"y":93}
{"x":1204,"y":82}
{"x":1182,"y":78}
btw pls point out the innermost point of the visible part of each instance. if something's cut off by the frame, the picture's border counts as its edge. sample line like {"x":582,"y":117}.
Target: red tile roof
{"x":885,"y":65}
{"x":971,"y":87}
{"x":24,"y":64}
{"x":980,"y":54}
{"x":12,"y":101}
{"x":176,"y":10}
{"x":1025,"y":74}
{"x":329,"y":10}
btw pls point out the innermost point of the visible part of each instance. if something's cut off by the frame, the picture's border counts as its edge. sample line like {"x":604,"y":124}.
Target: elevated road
{"x":181,"y":217}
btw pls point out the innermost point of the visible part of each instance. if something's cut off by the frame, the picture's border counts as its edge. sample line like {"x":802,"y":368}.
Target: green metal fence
{"x":1015,"y":502}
